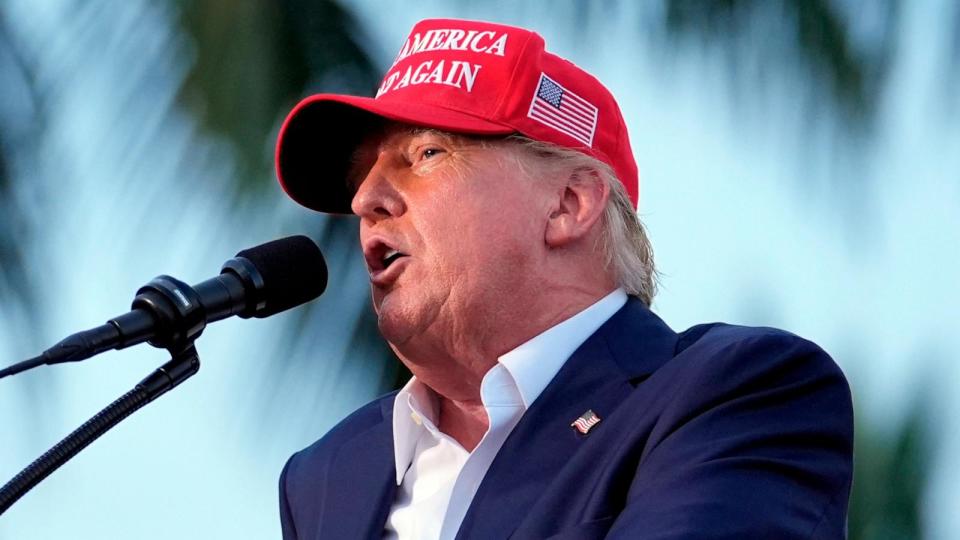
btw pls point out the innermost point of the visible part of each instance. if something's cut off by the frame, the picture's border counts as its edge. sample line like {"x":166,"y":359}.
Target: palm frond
{"x":891,"y":474}
{"x":253,"y":60}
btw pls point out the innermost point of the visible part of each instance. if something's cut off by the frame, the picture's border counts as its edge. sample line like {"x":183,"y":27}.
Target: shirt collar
{"x":526,"y":370}
{"x":534,"y":363}
{"x":415,"y":410}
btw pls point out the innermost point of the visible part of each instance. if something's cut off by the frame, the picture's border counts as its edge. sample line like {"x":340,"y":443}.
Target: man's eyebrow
{"x":445,"y":135}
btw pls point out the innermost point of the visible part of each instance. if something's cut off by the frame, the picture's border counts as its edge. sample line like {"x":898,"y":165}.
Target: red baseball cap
{"x":459,"y":76}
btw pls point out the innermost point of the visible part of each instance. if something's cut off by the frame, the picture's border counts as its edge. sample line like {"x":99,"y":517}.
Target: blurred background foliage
{"x":820,"y":37}
{"x":232,"y":69}
{"x":255,"y":58}
{"x":20,"y":120}
{"x":890,"y":476}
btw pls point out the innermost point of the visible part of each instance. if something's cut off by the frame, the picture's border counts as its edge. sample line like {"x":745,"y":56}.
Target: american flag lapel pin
{"x":585,"y":422}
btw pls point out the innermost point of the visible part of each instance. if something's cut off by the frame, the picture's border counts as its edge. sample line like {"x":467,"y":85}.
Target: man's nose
{"x":377,"y":197}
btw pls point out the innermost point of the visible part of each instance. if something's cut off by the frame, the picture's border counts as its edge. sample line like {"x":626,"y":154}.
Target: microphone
{"x":168,"y":313}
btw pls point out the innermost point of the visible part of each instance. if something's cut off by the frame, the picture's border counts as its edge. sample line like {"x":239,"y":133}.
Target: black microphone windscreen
{"x":293,"y":272}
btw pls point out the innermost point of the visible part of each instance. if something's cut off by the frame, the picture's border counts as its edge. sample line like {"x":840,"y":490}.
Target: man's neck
{"x":462,"y":413}
{"x":465,"y":421}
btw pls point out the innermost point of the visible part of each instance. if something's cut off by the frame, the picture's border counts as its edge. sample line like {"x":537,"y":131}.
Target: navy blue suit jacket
{"x":717,"y":432}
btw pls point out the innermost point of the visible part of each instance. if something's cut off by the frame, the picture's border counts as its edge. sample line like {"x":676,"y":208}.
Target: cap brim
{"x":319,"y":136}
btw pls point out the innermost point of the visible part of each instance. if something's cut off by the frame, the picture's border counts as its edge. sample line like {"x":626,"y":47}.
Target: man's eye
{"x":428,"y":153}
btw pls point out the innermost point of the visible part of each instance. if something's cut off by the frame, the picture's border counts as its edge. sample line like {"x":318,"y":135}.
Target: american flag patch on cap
{"x":586,"y":421}
{"x":564,"y":111}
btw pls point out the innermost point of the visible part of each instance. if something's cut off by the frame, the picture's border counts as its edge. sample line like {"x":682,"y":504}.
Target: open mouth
{"x":382,"y":255}
{"x":390,"y":257}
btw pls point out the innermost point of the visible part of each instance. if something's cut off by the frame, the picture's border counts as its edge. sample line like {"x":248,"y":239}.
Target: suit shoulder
{"x":723,"y":334}
{"x":746,"y":433}
{"x":359,"y":421}
{"x":305,"y":477}
{"x":751,"y":347}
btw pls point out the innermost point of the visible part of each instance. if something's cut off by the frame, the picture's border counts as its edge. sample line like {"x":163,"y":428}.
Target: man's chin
{"x":394,"y":322}
{"x":406,"y":312}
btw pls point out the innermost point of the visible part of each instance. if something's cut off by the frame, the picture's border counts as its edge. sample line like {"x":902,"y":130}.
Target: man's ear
{"x":579,"y":205}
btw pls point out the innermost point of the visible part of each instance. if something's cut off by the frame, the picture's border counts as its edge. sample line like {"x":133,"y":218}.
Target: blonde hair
{"x":625,"y":245}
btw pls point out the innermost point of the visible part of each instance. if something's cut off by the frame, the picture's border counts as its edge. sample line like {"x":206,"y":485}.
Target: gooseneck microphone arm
{"x":182,"y":365}
{"x":170,"y":314}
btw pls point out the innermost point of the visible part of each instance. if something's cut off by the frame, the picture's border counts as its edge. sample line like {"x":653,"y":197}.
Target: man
{"x":496,"y":191}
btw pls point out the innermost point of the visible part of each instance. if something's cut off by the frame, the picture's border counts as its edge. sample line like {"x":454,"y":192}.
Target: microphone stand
{"x":184,"y":362}
{"x":167,"y":313}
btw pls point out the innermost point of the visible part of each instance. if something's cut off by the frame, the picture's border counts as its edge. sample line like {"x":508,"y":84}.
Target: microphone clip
{"x":175,"y":310}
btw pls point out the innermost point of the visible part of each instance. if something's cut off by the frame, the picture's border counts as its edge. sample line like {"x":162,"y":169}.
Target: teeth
{"x":390,"y":256}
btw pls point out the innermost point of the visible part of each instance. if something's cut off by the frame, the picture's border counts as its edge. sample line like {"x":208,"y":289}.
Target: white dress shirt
{"x":437,"y":477}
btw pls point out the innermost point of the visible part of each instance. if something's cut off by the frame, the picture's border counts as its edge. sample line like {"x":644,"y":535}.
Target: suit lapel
{"x":598,"y":377}
{"x":363,"y":483}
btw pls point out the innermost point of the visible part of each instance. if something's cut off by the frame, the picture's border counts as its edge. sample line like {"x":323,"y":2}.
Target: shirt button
{"x":416,"y":419}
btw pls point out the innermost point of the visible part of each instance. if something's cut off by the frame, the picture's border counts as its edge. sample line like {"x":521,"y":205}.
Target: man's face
{"x":452,"y":231}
